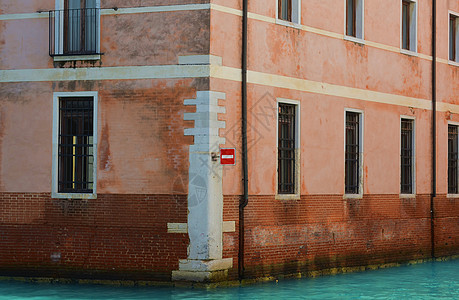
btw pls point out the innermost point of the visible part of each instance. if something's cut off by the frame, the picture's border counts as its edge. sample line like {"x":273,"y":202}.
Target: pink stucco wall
{"x":142,"y":148}
{"x":281,"y":50}
{"x":143,"y":154}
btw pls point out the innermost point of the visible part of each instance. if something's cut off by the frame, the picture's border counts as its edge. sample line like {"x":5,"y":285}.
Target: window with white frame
{"x":353,"y":152}
{"x":354,"y":18}
{"x":453,"y":37}
{"x":407,"y":156}
{"x":288,"y":148}
{"x":409,"y":25}
{"x":74,"y":145}
{"x":75,"y":28}
{"x":289,"y":11}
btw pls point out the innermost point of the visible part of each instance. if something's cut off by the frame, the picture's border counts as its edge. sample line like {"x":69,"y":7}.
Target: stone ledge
{"x":191,"y":276}
{"x":177,"y":227}
{"x":228,"y":226}
{"x":76,"y":57}
{"x":205,"y":265}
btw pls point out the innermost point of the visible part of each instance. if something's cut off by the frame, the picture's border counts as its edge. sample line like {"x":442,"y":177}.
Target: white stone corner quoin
{"x":205,"y":197}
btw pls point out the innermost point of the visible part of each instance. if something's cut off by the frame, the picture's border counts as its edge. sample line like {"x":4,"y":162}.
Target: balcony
{"x":74,"y":32}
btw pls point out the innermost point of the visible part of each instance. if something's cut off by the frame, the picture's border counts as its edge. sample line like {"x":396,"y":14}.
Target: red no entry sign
{"x":228,"y":156}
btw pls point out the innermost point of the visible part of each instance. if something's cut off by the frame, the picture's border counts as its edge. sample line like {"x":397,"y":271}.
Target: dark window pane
{"x":352,"y":153}
{"x":452,"y":37}
{"x":406,"y":157}
{"x":452,"y":159}
{"x":285,"y":10}
{"x":406,"y":25}
{"x":90,"y":3}
{"x":80,"y":27}
{"x":286,"y":149}
{"x":76,"y":156}
{"x":351,"y":10}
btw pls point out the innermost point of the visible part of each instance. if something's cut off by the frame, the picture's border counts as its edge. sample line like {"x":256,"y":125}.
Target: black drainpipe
{"x":243,"y":203}
{"x":434,"y":127}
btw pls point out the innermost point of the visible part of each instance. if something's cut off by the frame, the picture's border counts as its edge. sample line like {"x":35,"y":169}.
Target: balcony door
{"x":80,"y":26}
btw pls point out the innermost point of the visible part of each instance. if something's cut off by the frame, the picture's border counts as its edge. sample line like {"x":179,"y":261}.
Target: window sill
{"x":354,"y":39}
{"x":409,"y":52}
{"x":288,"y":24}
{"x":407,"y":196}
{"x":452,"y":195}
{"x":76,"y":57}
{"x":353,"y":196}
{"x":453,"y":63}
{"x":287,"y":197}
{"x":73,"y":196}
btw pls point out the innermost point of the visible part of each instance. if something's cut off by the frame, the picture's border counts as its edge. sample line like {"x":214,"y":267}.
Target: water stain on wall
{"x":104,"y":149}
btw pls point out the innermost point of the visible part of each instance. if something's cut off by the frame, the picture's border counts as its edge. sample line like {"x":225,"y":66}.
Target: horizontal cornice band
{"x":219,"y":72}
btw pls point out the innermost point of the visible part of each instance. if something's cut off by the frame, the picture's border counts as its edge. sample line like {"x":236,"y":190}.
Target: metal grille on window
{"x":452,"y":159}
{"x":406,"y":157}
{"x":286,"y":144}
{"x":352,"y":155}
{"x":76,"y":156}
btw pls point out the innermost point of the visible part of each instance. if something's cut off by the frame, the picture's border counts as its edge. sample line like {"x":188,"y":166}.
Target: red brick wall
{"x":113,"y":236}
{"x":327,"y":231}
{"x":446,"y":226}
{"x":125,"y":236}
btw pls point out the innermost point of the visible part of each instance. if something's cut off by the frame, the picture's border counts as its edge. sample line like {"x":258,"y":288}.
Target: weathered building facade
{"x":113,"y":114}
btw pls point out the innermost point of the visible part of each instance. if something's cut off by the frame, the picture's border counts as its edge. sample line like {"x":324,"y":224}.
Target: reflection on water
{"x":435,"y":280}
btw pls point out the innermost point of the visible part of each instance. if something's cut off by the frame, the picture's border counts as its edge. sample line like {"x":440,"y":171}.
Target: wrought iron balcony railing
{"x":74,"y":32}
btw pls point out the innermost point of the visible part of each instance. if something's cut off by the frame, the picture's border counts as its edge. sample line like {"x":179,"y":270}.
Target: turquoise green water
{"x":436,"y":280}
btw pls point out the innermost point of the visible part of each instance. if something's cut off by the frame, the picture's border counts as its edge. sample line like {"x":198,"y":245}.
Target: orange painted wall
{"x":142,"y":148}
{"x":142,"y":181}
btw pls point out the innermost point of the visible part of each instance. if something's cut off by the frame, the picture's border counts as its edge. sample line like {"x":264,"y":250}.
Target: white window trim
{"x":361,"y":131}
{"x":452,"y":62}
{"x":297,"y":193}
{"x":409,"y":52}
{"x":448,"y":195}
{"x":354,"y":39}
{"x":413,"y":162}
{"x":59,"y":41}
{"x":77,"y":57}
{"x":413,"y":42}
{"x":296,"y":15}
{"x":360,"y":23}
{"x":55,"y":158}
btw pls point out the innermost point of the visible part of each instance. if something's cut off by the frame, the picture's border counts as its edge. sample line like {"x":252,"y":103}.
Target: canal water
{"x":433,"y":280}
